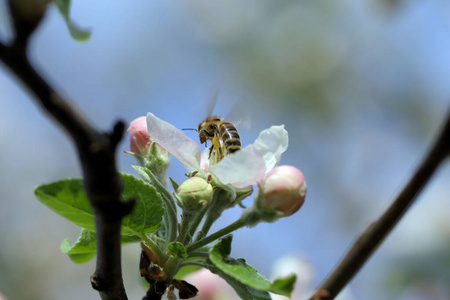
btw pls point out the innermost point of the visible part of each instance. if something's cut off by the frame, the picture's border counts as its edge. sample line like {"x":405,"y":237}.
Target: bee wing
{"x":239,"y":116}
{"x":211,"y":104}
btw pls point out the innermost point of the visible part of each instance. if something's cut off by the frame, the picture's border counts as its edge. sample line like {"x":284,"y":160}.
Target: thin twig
{"x":372,"y":237}
{"x":96,"y":152}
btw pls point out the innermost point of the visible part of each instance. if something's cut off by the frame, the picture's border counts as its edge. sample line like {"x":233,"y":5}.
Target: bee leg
{"x":210,"y":151}
{"x":216,"y":144}
{"x":220,"y":154}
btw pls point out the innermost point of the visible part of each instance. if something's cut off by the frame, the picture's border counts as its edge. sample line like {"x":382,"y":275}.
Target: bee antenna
{"x":189,"y":129}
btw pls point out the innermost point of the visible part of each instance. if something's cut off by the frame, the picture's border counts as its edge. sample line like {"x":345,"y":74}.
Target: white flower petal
{"x":270,"y":144}
{"x":174,"y":141}
{"x":241,"y":169}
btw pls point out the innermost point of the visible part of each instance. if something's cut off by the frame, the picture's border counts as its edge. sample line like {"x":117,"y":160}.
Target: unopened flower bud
{"x":149,"y":154}
{"x":280,"y":194}
{"x":283,"y":190}
{"x":139,"y":138}
{"x":194,"y":193}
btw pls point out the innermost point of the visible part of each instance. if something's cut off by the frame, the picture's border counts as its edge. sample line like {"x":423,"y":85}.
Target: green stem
{"x":171,"y":267}
{"x":185,"y":221}
{"x":222,"y":200}
{"x":205,"y":228}
{"x":152,"y":245}
{"x":194,"y":225}
{"x":161,"y":189}
{"x":172,"y":225}
{"x":193,"y":263}
{"x":195,"y":254}
{"x":170,"y":213}
{"x":224,"y":231}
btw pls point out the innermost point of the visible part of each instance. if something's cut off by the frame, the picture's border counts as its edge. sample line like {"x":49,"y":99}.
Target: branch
{"x":372,"y":237}
{"x":96,"y":151}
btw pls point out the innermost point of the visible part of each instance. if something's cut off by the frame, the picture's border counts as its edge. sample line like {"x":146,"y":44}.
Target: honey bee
{"x":214,"y":128}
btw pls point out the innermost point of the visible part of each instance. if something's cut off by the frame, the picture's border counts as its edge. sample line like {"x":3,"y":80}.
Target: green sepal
{"x":85,"y":248}
{"x":76,"y":32}
{"x":244,"y":273}
{"x":175,"y":184}
{"x":177,"y":250}
{"x":68,"y":199}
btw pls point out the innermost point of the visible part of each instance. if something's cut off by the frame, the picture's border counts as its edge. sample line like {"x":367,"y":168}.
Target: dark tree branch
{"x":372,"y":237}
{"x":96,"y":152}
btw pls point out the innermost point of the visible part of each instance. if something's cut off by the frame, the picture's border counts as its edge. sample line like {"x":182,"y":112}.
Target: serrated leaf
{"x":76,"y":32}
{"x":148,"y":210}
{"x":85,"y":248}
{"x":177,"y":250}
{"x":244,"y":292}
{"x":244,"y":273}
{"x":68,"y":199}
{"x":284,"y":284}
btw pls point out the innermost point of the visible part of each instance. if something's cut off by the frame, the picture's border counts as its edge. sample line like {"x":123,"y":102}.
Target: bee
{"x":214,"y":128}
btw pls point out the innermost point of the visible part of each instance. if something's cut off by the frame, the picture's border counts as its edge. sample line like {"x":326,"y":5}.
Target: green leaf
{"x":259,"y":295}
{"x":184,"y":271}
{"x":68,"y":199}
{"x":284,"y":285}
{"x":244,"y":292}
{"x":244,"y":273}
{"x":85,"y":247}
{"x":148,"y":210}
{"x":76,"y":32}
{"x":177,"y":250}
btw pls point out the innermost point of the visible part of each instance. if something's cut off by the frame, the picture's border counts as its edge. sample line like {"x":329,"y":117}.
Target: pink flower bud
{"x":283,"y":190}
{"x":139,"y":137}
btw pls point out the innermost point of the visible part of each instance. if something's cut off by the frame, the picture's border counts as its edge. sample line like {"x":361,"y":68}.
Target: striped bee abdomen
{"x":230,"y":137}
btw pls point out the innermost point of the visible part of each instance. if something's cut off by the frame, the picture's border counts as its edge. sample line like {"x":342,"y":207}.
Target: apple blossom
{"x":240,"y":169}
{"x":283,"y":190}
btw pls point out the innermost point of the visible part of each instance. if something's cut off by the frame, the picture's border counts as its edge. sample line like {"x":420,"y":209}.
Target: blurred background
{"x":361,"y":86}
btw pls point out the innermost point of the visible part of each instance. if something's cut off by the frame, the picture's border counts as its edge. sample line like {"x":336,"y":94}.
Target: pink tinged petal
{"x":139,"y":138}
{"x":241,"y":169}
{"x":283,"y":190}
{"x":204,"y":163}
{"x":175,"y":141}
{"x":270,"y":144}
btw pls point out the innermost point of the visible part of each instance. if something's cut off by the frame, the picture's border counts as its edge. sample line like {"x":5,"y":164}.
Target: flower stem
{"x":224,"y":231}
{"x":186,"y":219}
{"x":222,"y":200}
{"x":152,"y":245}
{"x":170,"y":213}
{"x":205,"y":228}
{"x":193,"y":263}
{"x":194,"y":225}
